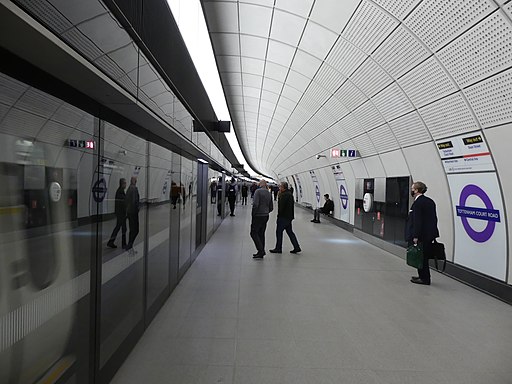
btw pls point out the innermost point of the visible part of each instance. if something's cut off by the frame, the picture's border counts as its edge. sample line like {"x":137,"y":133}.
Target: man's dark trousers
{"x":424,"y":273}
{"x":258,"y":228}
{"x":284,"y":224}
{"x":133,"y":220}
{"x":231,"y":200}
{"x":121,"y":223}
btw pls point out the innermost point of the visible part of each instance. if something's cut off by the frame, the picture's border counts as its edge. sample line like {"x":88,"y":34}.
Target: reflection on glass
{"x":186,"y":212}
{"x":46,"y":235}
{"x":124,"y":157}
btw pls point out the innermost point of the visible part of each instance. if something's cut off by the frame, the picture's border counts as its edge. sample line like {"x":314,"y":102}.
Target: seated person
{"x":327,"y":209}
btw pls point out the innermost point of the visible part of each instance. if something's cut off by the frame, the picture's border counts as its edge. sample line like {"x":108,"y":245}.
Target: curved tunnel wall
{"x":392,"y":80}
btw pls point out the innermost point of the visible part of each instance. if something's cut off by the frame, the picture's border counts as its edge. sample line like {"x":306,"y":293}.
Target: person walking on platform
{"x":120,"y":210}
{"x":326,"y":209}
{"x":132,"y":211}
{"x":244,"y":194}
{"x":421,"y":228}
{"x":261,"y":207}
{"x":285,"y":216}
{"x":232,"y":196}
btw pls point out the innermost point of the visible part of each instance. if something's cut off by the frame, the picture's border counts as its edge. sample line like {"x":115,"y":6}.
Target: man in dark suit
{"x":421,"y":228}
{"x":120,"y":210}
{"x":326,"y":209}
{"x":285,"y":216}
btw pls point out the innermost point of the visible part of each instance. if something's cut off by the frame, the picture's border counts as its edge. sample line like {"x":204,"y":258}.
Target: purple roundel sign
{"x":317,"y":192}
{"x":489,"y":214}
{"x":343,"y":197}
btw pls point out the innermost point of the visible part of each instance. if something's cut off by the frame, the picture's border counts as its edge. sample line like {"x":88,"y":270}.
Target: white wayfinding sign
{"x":465,"y":153}
{"x":342,"y":193}
{"x":480,"y":233}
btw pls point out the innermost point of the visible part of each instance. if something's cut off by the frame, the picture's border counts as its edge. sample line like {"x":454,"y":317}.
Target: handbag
{"x":438,"y":253}
{"x":414,"y":256}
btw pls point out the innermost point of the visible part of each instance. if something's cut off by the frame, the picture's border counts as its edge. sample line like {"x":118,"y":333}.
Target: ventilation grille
{"x":329,"y":78}
{"x":47,"y":14}
{"x":364,"y":145}
{"x":398,"y":8}
{"x":368,"y":116}
{"x":335,"y":108}
{"x":350,"y":96}
{"x":22,"y":124}
{"x":383,"y":139}
{"x":437,"y":22}
{"x":448,"y":117}
{"x":392,"y":102}
{"x":325,"y":118}
{"x":491,"y":99}
{"x":10,"y":90}
{"x":351,"y":125}
{"x":370,"y":78}
{"x":426,"y":83}
{"x":369,"y":27}
{"x":54,"y":133}
{"x":38,"y":103}
{"x":400,"y":52}
{"x":338,"y":132}
{"x":484,"y":50}
{"x":82,"y":44}
{"x":345,"y":57}
{"x":409,"y":130}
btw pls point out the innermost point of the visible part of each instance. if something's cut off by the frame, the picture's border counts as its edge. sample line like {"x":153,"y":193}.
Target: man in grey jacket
{"x":261,"y":207}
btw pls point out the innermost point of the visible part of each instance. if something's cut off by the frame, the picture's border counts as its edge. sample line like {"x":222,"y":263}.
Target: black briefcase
{"x":438,"y":254}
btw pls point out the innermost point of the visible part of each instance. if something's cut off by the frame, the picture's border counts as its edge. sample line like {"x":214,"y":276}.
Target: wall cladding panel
{"x":491,"y":99}
{"x":437,"y":22}
{"x":480,"y":52}
{"x":399,"y":8}
{"x":410,"y":129}
{"x":448,"y":117}
{"x":392,"y":102}
{"x":370,"y":78}
{"x":383,"y":139}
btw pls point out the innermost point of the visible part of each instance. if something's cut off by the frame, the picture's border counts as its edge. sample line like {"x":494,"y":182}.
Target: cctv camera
{"x":317,"y":157}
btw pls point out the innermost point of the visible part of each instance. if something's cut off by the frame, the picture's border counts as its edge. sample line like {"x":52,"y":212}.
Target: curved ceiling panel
{"x":303,"y":76}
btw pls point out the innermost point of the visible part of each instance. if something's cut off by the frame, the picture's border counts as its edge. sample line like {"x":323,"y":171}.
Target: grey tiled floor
{"x":342,"y":311}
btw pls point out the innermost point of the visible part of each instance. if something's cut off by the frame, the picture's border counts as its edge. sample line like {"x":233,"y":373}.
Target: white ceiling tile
{"x":253,"y":66}
{"x":280,"y":53}
{"x":287,"y":103}
{"x":226,"y":43}
{"x":268,"y":3}
{"x":222,"y":16}
{"x":253,"y":46}
{"x":291,"y":93}
{"x":317,"y":40}
{"x":271,"y":97}
{"x":298,"y":80}
{"x":272,"y":85}
{"x":306,"y":64}
{"x":250,"y":80}
{"x":301,"y":8}
{"x":255,"y":19}
{"x":333,"y":14}
{"x":229,"y":63}
{"x":276,"y":71}
{"x":233,"y":90}
{"x":252,"y":92}
{"x":287,"y":28}
{"x":231,"y":78}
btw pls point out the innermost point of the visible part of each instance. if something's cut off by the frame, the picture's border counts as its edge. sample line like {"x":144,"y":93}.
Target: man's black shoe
{"x":417,"y":280}
{"x":296,"y":250}
{"x":258,"y":255}
{"x":313,"y":221}
{"x":232,"y":214}
{"x":275,"y":251}
{"x":111,"y":245}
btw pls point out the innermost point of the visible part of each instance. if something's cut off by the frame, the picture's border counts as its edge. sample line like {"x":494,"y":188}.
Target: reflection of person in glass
{"x":120,"y":210}
{"x":132,"y":211}
{"x":219,"y":197}
{"x":175,"y":194}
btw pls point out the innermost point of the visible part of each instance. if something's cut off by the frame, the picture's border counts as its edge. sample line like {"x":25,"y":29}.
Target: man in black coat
{"x":326,"y":209}
{"x":120,"y":210}
{"x":421,"y":228}
{"x":285,"y":215}
{"x":231,"y":193}
{"x":132,"y":212}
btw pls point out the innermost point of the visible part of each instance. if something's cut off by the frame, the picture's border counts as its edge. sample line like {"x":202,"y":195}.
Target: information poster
{"x":342,"y":193}
{"x":465,"y":153}
{"x":480,"y":233}
{"x":299,"y":185}
{"x":316,"y":187}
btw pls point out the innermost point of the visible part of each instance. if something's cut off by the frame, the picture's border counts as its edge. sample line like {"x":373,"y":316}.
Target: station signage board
{"x":465,"y":153}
